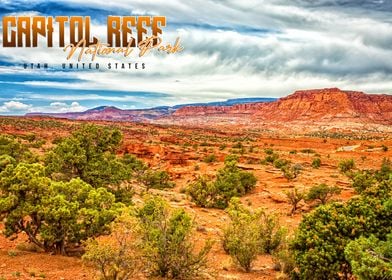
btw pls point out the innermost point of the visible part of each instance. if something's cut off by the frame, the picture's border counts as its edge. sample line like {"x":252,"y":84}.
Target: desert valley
{"x":309,"y":138}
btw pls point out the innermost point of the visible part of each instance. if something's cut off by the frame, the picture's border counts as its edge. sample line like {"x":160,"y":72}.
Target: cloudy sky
{"x":232,"y":49}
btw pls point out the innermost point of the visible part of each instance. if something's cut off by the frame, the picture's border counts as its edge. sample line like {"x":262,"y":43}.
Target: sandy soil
{"x":179,"y":150}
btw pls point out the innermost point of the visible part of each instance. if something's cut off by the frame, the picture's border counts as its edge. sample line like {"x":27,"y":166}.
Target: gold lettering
{"x":38,"y":28}
{"x":114,"y":29}
{"x":140,"y":27}
{"x":156,"y":30}
{"x":7,"y":23}
{"x":96,"y":49}
{"x":61,"y":20}
{"x":24,"y":29}
{"x":123,"y":34}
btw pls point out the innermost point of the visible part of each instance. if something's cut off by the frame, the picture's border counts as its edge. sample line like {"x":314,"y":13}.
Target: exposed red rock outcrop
{"x":308,"y":105}
{"x":157,"y":153}
{"x":313,"y":106}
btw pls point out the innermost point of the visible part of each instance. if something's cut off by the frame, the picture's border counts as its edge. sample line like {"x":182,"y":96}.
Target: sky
{"x":232,"y":49}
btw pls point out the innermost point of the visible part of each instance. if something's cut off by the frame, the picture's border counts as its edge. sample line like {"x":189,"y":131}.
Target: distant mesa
{"x":112,"y":113}
{"x":316,"y":105}
{"x":102,"y":108}
{"x":321,"y":105}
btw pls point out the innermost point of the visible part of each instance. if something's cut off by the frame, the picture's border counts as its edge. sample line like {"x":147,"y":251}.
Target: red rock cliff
{"x":308,"y":105}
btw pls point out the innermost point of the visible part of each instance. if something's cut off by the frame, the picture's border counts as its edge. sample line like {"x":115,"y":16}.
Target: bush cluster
{"x":13,"y":151}
{"x":166,"y":241}
{"x":152,"y":239}
{"x":155,"y":180}
{"x":370,"y":258}
{"x":75,"y":193}
{"x":250,"y":233}
{"x":333,"y":241}
{"x":322,"y":193}
{"x":294,"y":197}
{"x":209,"y":158}
{"x":230,"y":182}
{"x":316,"y":163}
{"x":290,"y":171}
{"x":116,"y":256}
{"x":54,"y":215}
{"x":346,"y":165}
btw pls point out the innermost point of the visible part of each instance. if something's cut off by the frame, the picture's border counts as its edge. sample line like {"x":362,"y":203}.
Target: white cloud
{"x":84,"y":97}
{"x":307,"y":46}
{"x":64,"y":107}
{"x":59,"y":107}
{"x":14,"y":106}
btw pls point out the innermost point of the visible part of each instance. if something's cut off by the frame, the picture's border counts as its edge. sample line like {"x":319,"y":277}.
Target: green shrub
{"x":116,"y":256}
{"x":316,"y":163}
{"x":5,"y":160}
{"x":89,"y":153}
{"x":280,"y":163}
{"x":285,"y":262}
{"x":370,"y":258}
{"x":362,"y":180}
{"x":12,"y":253}
{"x":291,"y":172}
{"x":230,"y":182}
{"x":250,"y":233}
{"x":222,"y":147}
{"x":271,"y":158}
{"x":271,"y":233}
{"x":322,"y":193}
{"x":294,"y":197}
{"x":365,"y":179}
{"x":156,"y":180}
{"x":238,"y":145}
{"x":308,"y":151}
{"x":30,"y":137}
{"x":242,"y":236}
{"x":11,"y":148}
{"x":166,"y":241}
{"x":54,"y":215}
{"x":385,"y":170}
{"x":346,"y":165}
{"x":38,"y":144}
{"x":210,"y":158}
{"x":324,"y":234}
{"x":57,"y":140}
{"x":133,"y":163}
{"x":203,"y":192}
{"x":268,"y":151}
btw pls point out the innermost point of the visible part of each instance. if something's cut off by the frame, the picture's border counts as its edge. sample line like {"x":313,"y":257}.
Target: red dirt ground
{"x":178,"y":150}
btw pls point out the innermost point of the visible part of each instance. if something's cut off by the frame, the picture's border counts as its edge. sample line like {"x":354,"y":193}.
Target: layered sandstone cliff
{"x":320,"y":105}
{"x":308,"y":105}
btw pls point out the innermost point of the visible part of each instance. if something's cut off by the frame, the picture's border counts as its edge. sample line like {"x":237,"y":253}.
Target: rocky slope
{"x":324,"y":105}
{"x":310,"y":106}
{"x":111,"y":113}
